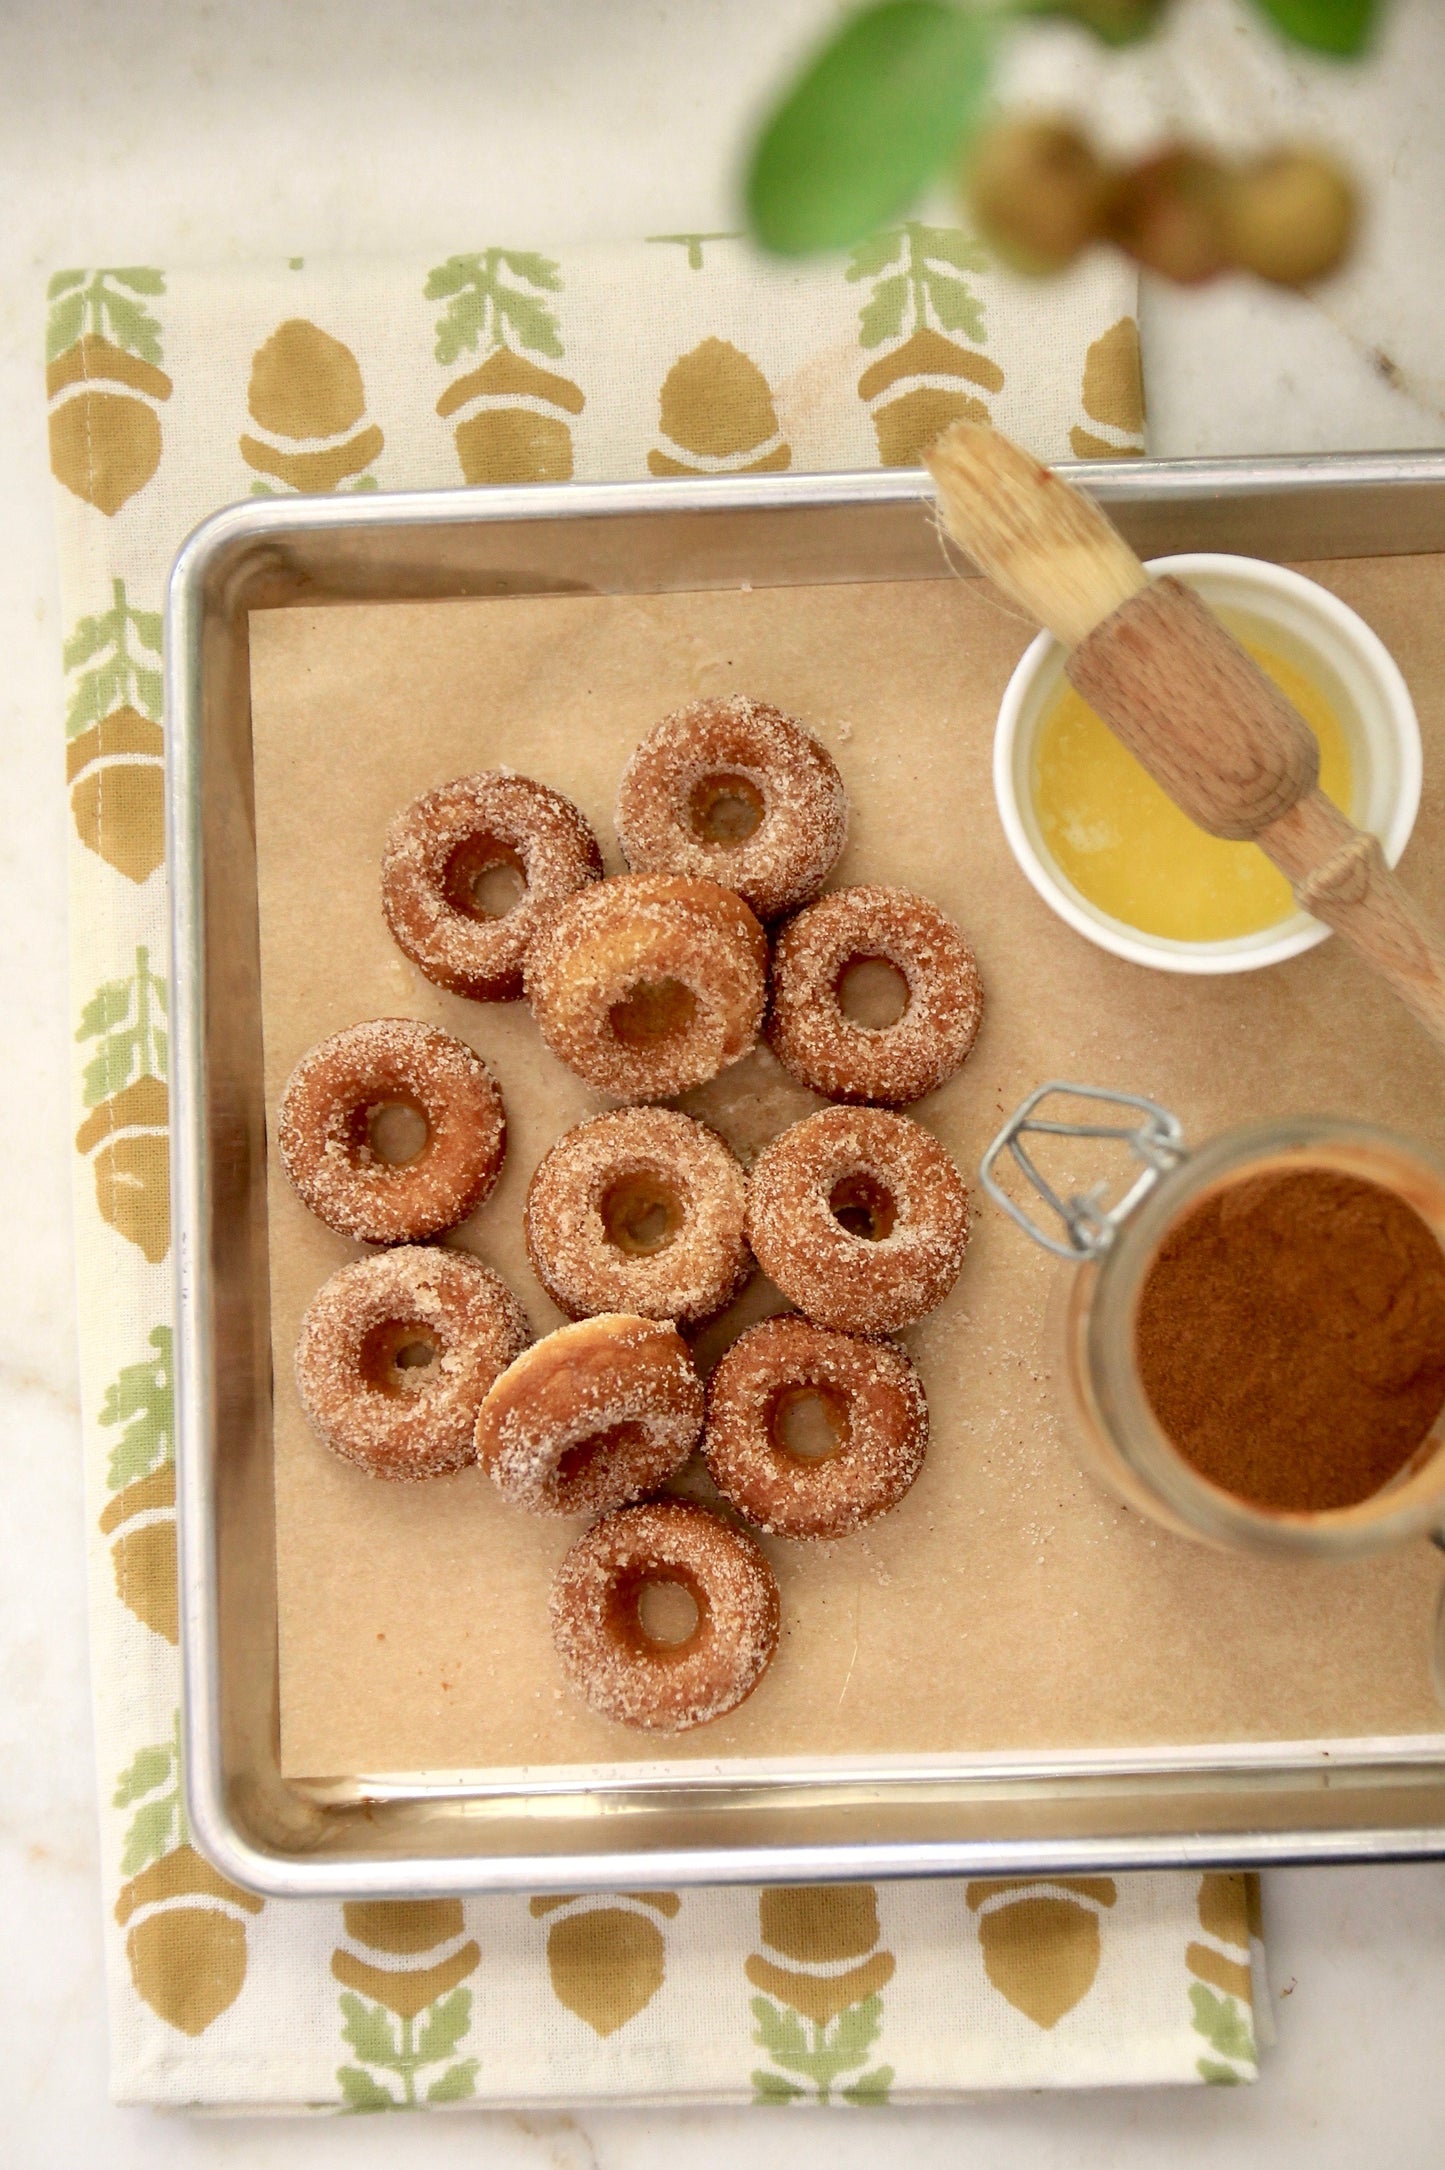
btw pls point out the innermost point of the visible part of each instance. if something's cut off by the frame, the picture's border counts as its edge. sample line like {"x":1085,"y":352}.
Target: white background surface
{"x":175,"y":129}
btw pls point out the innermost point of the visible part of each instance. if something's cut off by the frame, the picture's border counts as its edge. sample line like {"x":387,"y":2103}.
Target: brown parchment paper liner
{"x":1008,"y":1603}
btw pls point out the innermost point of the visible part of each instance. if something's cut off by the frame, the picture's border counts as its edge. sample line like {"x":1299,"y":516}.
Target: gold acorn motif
{"x":105,"y":384}
{"x":1113,"y":394}
{"x":114,"y":757}
{"x":306,"y":386}
{"x":1040,"y":1939}
{"x":513,"y":426}
{"x":185,"y":1922}
{"x":142,"y":1477}
{"x":124,"y":1088}
{"x":917,"y":297}
{"x":606,"y":1962}
{"x":1221,"y":1993}
{"x":382,"y":2004}
{"x":716,"y":404}
{"x":819,"y":2016}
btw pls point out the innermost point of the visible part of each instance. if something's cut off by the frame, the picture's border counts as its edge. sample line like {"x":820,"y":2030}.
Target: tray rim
{"x":215,"y":1823}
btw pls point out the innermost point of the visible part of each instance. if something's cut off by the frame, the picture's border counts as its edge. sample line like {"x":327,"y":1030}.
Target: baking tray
{"x":992,"y":1814}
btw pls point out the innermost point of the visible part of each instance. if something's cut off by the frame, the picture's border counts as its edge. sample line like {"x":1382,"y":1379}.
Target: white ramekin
{"x":1309,"y":627}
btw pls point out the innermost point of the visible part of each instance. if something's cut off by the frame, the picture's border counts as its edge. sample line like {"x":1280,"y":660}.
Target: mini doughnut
{"x":641,"y":1210}
{"x":807,"y":1028}
{"x":591,"y":1416}
{"x":396,"y":1353}
{"x":648,"y":983}
{"x":871,"y":1400}
{"x":605,"y":1651}
{"x":860,"y":1218}
{"x":736,"y":790}
{"x":439,"y":849}
{"x":324,"y":1131}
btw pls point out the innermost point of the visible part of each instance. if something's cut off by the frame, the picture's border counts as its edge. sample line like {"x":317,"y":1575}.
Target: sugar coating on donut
{"x":808,"y":1029}
{"x":869,"y":1397}
{"x":647,"y":984}
{"x":597,"y":1632}
{"x":440,"y":851}
{"x":639,"y":1210}
{"x":860,"y":1217}
{"x":591,"y":1416}
{"x":396,"y":1353}
{"x":323,"y":1131}
{"x":735,"y":790}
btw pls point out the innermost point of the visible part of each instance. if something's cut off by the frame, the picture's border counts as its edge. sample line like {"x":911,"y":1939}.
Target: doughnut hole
{"x":400,"y":1357}
{"x":660,"y":1611}
{"x":871,"y":992}
{"x":863,"y":1206}
{"x":653,"y":1011}
{"x":641,"y":1213}
{"x":484,"y":879}
{"x":810,"y":1423}
{"x":394,"y":1132}
{"x":725,"y":809}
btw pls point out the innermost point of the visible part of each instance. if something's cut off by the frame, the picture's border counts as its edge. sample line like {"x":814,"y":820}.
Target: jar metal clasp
{"x":1090,"y":1224}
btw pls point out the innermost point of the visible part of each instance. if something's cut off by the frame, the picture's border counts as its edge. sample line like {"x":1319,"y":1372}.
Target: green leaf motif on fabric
{"x":369,"y":2030}
{"x":457,"y":2085}
{"x":447,"y":2021}
{"x":871,"y":2092}
{"x":819,"y":2052}
{"x":124,"y":676}
{"x":1227,"y":2029}
{"x":1114,"y":22}
{"x":1342,"y":28}
{"x":394,"y":2045}
{"x":125,"y":1017}
{"x":891,"y":98}
{"x":160,"y":1825}
{"x":360,"y":2092}
{"x":142,"y":1398}
{"x":918,"y":296}
{"x":149,"y":1768}
{"x":1217,"y":2075}
{"x":772,"y":2087}
{"x":483,"y":305}
{"x":104,"y":311}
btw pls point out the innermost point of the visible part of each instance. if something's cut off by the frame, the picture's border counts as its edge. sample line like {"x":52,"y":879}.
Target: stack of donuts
{"x":641,"y":1224}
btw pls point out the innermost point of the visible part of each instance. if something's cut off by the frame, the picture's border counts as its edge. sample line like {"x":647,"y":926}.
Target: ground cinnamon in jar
{"x":1291,"y":1337}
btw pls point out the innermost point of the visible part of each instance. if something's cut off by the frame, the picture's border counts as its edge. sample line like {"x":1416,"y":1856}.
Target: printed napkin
{"x":172,"y":393}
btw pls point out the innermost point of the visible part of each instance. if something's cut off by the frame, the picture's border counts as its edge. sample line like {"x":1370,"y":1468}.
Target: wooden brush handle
{"x":1339,"y":875}
{"x":1197,"y":711}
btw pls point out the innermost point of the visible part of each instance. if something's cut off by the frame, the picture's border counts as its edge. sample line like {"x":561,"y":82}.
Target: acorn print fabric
{"x":171,"y":392}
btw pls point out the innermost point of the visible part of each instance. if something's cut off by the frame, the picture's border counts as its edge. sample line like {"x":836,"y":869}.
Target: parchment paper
{"x":1008,"y":1603}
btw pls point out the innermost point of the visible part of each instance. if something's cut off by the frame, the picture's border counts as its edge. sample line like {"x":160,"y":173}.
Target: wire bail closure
{"x":1090,"y":1225}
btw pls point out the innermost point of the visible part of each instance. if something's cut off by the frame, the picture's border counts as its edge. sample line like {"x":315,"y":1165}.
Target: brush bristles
{"x":1044,"y":543}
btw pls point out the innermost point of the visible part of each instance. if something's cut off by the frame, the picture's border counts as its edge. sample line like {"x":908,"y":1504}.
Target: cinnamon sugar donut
{"x":435,"y":889}
{"x":396,"y":1353}
{"x":736,"y":790}
{"x":869,"y":1397}
{"x":326,"y":1131}
{"x":648,"y":983}
{"x":591,"y":1416}
{"x":860,"y":1217}
{"x":807,"y":1028}
{"x":608,"y":1656}
{"x":641,"y":1210}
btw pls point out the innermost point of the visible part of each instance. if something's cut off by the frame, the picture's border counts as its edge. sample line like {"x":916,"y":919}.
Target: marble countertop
{"x":179,"y":128}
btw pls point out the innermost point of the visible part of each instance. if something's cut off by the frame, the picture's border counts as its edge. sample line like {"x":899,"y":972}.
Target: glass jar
{"x":1093,"y":1307}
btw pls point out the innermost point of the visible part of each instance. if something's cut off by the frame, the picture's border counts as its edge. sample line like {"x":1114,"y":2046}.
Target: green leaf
{"x":871,"y":120}
{"x":881,"y":317}
{"x":874,"y":255}
{"x":446,"y":2023}
{"x":457,"y":2085}
{"x":1114,"y":22}
{"x":457,"y":273}
{"x":1221,"y":2022}
{"x":62,"y":282}
{"x":108,"y":1007}
{"x":67,"y":322}
{"x":149,"y":1835}
{"x":89,"y":637}
{"x":956,"y":306}
{"x":133,"y":328}
{"x":147,"y":624}
{"x":141,"y":1397}
{"x":536,"y":270}
{"x":361,"y":2091}
{"x":110,"y":1070}
{"x":950,"y":245}
{"x":856,"y":2031}
{"x":150,"y":1768}
{"x":532,"y":321}
{"x":871,"y":2092}
{"x":780,"y":2032}
{"x":139,"y":278}
{"x":146,"y":687}
{"x":96,"y":694}
{"x":1342,"y":28}
{"x":772,"y":2087}
{"x":1216,"y":2074}
{"x":368,"y":2028}
{"x":461,"y":326}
